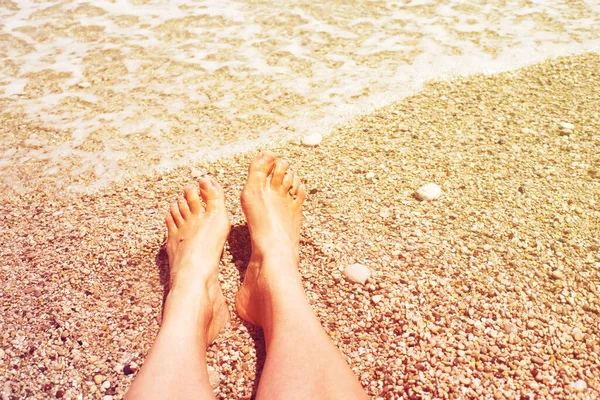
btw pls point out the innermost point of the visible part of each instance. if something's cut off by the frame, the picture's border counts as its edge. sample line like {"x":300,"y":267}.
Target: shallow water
{"x":117,"y":87}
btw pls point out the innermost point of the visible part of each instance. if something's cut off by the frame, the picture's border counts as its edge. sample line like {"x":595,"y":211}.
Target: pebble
{"x":213,"y":377}
{"x":106,"y":385}
{"x":99,"y":379}
{"x":566,"y":126}
{"x":312,"y":140}
{"x":376,"y":298}
{"x":577,"y":334}
{"x":196,"y":173}
{"x":580,"y":385}
{"x":357,"y":273}
{"x":537,"y":360}
{"x":1,"y":354}
{"x":509,"y":328}
{"x":429,"y":192}
{"x":556,"y":274}
{"x":107,"y":397}
{"x":370,"y":175}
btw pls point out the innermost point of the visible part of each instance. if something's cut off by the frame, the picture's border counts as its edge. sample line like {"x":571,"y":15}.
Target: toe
{"x":193,"y":198}
{"x":281,"y":166}
{"x":295,"y":184}
{"x":184,"y":209}
{"x":288,"y":181}
{"x":301,"y":194}
{"x":212,"y":194}
{"x":261,"y":167}
{"x":176,"y":214}
{"x":171,"y":227}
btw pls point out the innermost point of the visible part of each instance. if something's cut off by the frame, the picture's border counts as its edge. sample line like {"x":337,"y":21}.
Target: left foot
{"x":194,"y":245}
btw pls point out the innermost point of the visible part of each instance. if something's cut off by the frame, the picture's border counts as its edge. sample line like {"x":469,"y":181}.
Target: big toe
{"x":212,"y":194}
{"x":260,"y":167}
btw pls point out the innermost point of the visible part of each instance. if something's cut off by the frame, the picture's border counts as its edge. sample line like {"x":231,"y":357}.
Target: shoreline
{"x":490,"y":291}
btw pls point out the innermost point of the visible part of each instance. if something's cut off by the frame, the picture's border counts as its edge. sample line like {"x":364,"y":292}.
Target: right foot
{"x":272,"y":203}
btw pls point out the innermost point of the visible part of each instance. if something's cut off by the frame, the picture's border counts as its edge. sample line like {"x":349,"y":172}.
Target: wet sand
{"x":491,"y":291}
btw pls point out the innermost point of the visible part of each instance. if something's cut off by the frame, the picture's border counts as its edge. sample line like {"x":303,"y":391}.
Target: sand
{"x":490,"y":291}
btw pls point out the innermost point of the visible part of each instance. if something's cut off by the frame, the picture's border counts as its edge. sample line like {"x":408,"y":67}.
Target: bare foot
{"x":272,"y":202}
{"x":194,"y":245}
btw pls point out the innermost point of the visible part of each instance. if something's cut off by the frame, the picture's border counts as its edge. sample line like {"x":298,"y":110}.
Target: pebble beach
{"x":488,"y":288}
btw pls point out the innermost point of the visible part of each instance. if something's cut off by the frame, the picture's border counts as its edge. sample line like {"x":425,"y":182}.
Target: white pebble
{"x":566,"y":126}
{"x":429,"y":192}
{"x":196,"y":173}
{"x":376,"y":298}
{"x":577,"y":334}
{"x":557,"y":274}
{"x":370,"y":175}
{"x":357,"y":273}
{"x":1,"y":354}
{"x":312,"y":140}
{"x":213,"y":377}
{"x":580,"y":385}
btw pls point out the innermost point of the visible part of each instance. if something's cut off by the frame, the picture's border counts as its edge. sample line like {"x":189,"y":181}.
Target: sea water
{"x":109,"y":88}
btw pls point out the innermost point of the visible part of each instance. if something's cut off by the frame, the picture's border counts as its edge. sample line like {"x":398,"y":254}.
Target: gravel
{"x":446,"y":276}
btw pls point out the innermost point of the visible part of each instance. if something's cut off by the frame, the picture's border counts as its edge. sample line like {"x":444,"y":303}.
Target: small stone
{"x":64,"y":335}
{"x":127,"y":370}
{"x":60,"y":393}
{"x":1,"y":354}
{"x":107,"y":397}
{"x":370,"y":175}
{"x":566,"y":126}
{"x":580,"y":385}
{"x":376,"y":298}
{"x":213,"y":377}
{"x":99,"y":379}
{"x":537,"y":360}
{"x":246,"y":349}
{"x":106,"y":385}
{"x":531,"y":324}
{"x":556,"y":274}
{"x":509,"y":328}
{"x":577,"y":334}
{"x":196,"y":173}
{"x":312,"y":140}
{"x":84,"y":84}
{"x":429,"y":192}
{"x":357,"y":273}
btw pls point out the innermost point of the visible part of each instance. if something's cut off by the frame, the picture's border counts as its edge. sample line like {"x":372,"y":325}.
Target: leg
{"x":195,"y":309}
{"x":301,"y":361}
